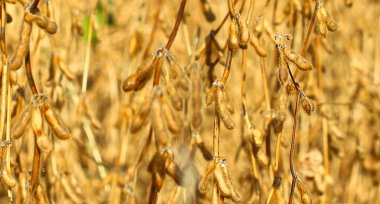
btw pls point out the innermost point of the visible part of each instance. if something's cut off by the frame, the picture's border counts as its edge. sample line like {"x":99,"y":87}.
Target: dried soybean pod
{"x":306,"y":9}
{"x":227,"y":180}
{"x":9,"y":18}
{"x":175,"y":99}
{"x":157,"y":168}
{"x":305,"y":197}
{"x":42,"y":21}
{"x":135,"y":42}
{"x":42,"y":140}
{"x":21,"y":123}
{"x":325,"y":18}
{"x":173,"y":126}
{"x":222,"y":180}
{"x":257,"y":137}
{"x":207,"y":11}
{"x":138,"y":80}
{"x":297,"y":59}
{"x":348,"y":3}
{"x":262,"y":157}
{"x":321,"y":20}
{"x":269,"y":31}
{"x":285,"y":36}
{"x":130,"y":83}
{"x":174,"y":171}
{"x":244,"y":35}
{"x":323,"y":15}
{"x":7,"y":178}
{"x":61,"y":131}
{"x":228,"y":103}
{"x":200,"y":144}
{"x":290,"y":89}
{"x":11,"y":1}
{"x":205,"y":152}
{"x":13,"y":79}
{"x":64,"y":69}
{"x":283,"y":75}
{"x":69,"y":191}
{"x":260,"y":24}
{"x":282,"y":67}
{"x":176,"y":74}
{"x":233,"y":41}
{"x":278,"y":122}
{"x":321,"y":29}
{"x":142,"y":114}
{"x":158,"y":123}
{"x":22,"y":47}
{"x":196,"y":99}
{"x":331,"y":24}
{"x":22,"y":188}
{"x":203,"y":183}
{"x":44,"y":143}
{"x":256,"y":45}
{"x":37,"y":121}
{"x":222,"y":110}
{"x":307,"y":105}
{"x":40,"y":196}
{"x":210,"y":96}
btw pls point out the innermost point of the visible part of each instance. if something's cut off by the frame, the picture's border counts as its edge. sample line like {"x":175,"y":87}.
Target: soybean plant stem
{"x":86,"y":65}
{"x":216,"y":136}
{"x":308,"y":34}
{"x":231,"y":8}
{"x":37,"y":153}
{"x":173,"y":34}
{"x":176,"y":25}
{"x":36,"y":166}
{"x":227,"y":68}
{"x":292,"y":170}
{"x":29,"y":74}
{"x":34,"y":5}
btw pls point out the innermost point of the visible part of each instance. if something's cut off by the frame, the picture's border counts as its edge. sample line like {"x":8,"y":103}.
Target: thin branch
{"x":176,"y":25}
